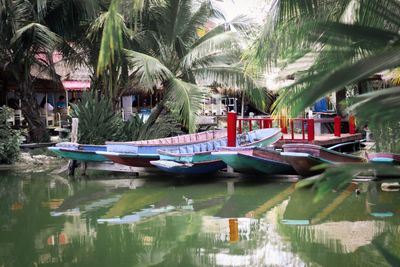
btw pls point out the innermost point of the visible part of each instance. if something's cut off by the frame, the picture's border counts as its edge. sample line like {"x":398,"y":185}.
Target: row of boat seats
{"x":202,"y":147}
{"x":187,"y":138}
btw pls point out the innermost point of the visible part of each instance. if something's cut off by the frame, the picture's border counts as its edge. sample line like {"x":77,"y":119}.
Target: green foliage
{"x":352,"y":40}
{"x":137,"y":129}
{"x":9,"y":138}
{"x":98,"y":123}
{"x":166,"y":50}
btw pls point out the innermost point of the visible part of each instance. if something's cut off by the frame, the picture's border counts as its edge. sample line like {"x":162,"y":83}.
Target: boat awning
{"x":76,"y":85}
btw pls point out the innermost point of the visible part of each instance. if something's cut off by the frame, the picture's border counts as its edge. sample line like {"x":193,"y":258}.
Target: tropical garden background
{"x":154,"y":44}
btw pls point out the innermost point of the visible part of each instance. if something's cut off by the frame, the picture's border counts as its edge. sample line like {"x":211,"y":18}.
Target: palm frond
{"x":41,"y":38}
{"x":175,"y":16}
{"x":114,"y":29}
{"x":196,"y":21}
{"x":345,"y":75}
{"x":148,"y":70}
{"x":215,"y":44}
{"x":184,"y":99}
{"x":388,"y":98}
{"x":232,"y":77}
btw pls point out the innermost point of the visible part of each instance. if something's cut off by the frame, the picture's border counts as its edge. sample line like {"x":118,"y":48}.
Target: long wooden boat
{"x":262,"y":160}
{"x":385,"y":158}
{"x":79,"y":152}
{"x":200,"y":159}
{"x":303,"y":157}
{"x":140,"y":153}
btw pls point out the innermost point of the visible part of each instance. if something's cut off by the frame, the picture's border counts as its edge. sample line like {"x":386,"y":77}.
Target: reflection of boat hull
{"x":130,"y":159}
{"x":189,"y":168}
{"x":303,"y":157}
{"x":82,"y":153}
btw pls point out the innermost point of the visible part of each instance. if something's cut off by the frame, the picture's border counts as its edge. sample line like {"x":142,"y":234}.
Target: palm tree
{"x":31,"y":31}
{"x":166,"y":51}
{"x":353,"y":40}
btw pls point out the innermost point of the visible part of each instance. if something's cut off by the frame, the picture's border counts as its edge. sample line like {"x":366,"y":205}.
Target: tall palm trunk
{"x":155,"y":113}
{"x":30,"y":110}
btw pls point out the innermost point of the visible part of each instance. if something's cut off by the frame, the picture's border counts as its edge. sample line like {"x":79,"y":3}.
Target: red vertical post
{"x":352,"y":124}
{"x":310,"y":128}
{"x":250,"y":125}
{"x":303,"y":132}
{"x":240,"y":125}
{"x":231,"y":123}
{"x":266,"y":124}
{"x":260,"y":123}
{"x":337,"y":126}
{"x":292,"y":128}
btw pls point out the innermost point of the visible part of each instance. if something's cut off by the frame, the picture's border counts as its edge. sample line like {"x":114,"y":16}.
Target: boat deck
{"x":321,"y":140}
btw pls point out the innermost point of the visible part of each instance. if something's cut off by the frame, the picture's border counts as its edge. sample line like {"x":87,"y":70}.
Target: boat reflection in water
{"x":160,"y":222}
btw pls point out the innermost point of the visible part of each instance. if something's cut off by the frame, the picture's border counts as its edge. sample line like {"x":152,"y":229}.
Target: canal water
{"x":48,"y":220}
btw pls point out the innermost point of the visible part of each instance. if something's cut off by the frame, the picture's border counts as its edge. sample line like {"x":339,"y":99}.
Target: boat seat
{"x":196,"y":148}
{"x":203,"y":147}
{"x":182,"y":150}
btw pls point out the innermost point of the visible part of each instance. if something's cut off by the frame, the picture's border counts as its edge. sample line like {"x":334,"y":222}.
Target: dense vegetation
{"x":9,"y":138}
{"x":126,"y":44}
{"x":98,"y":123}
{"x":351,"y":40}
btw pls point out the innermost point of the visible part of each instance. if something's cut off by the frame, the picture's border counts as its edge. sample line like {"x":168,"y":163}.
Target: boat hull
{"x":384,"y":158}
{"x":268,"y":166}
{"x":304,"y":157}
{"x":78,"y":154}
{"x":304,"y":163}
{"x":130,"y":159}
{"x":201,"y":158}
{"x":236,"y":160}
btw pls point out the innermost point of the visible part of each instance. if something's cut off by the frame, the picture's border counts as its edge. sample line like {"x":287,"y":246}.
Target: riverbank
{"x":39,"y":160}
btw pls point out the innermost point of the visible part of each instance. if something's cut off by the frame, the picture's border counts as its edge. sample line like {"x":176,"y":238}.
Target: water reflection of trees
{"x":350,"y":234}
{"x":198,"y":237}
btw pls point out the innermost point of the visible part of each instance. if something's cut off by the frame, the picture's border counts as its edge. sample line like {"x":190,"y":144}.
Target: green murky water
{"x":50,"y":221}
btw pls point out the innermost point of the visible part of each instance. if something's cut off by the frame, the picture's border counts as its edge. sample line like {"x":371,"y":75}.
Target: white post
{"x":242,"y":107}
{"x":66,"y":101}
{"x":74,"y":130}
{"x":45,"y":110}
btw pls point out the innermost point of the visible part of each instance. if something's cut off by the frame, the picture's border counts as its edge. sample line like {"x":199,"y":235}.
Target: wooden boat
{"x":303,"y":157}
{"x":140,"y":153}
{"x":79,"y":152}
{"x":200,"y":159}
{"x":385,"y":158}
{"x":262,"y":160}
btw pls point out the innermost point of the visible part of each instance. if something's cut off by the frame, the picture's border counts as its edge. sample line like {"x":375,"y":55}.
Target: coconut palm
{"x":166,"y":51}
{"x":353,"y":40}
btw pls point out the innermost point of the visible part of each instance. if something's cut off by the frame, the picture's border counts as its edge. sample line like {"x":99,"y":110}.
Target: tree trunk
{"x":155,"y":114}
{"x":30,"y":110}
